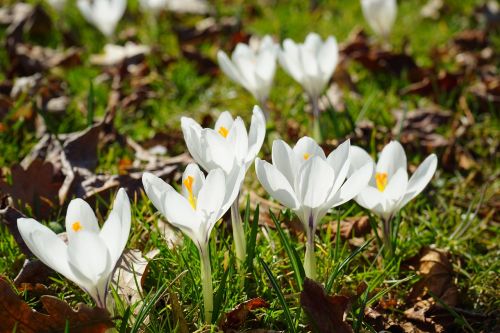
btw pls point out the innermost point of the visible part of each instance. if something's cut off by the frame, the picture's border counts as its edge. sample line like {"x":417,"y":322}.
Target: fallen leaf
{"x":325,"y":312}
{"x":235,"y":318}
{"x":34,"y":187}
{"x":17,"y":315}
{"x":131,"y":273}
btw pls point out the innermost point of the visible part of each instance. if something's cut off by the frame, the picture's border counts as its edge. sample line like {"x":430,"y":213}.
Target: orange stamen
{"x":381,"y":180}
{"x":76,"y":226}
{"x":223,"y":131}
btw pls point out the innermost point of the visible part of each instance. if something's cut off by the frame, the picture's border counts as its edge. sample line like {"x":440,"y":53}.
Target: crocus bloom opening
{"x":252,"y":68}
{"x":306,"y":181}
{"x":91,"y":254}
{"x":103,"y":14}
{"x":389,"y":188}
{"x":195,"y":210}
{"x":380,"y":15}
{"x":230,"y":147}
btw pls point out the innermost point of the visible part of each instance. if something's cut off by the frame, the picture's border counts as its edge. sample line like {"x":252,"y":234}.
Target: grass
{"x":450,"y":214}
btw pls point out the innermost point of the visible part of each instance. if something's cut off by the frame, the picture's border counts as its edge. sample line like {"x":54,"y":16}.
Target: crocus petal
{"x":211,"y":198}
{"x":192,"y":132}
{"x":355,"y":184}
{"x":228,"y":67}
{"x":289,"y":59}
{"x":396,"y":187}
{"x":314,"y":182}
{"x":256,"y":134}
{"x":155,"y":190}
{"x":116,"y":229}
{"x":225,"y":120}
{"x":179,"y":212}
{"x":328,"y":58}
{"x":80,"y":217}
{"x":198,"y":179}
{"x":371,"y":199}
{"x":380,"y":15}
{"x":276,"y":184}
{"x":420,"y":179}
{"x":284,"y":159}
{"x":217,"y":151}
{"x":339,"y":161}
{"x":46,"y":246}
{"x":391,"y":159}
{"x":238,"y":140}
{"x":307,"y":148}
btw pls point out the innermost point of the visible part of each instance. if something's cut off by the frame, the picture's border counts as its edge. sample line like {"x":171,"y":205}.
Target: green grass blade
{"x":281,"y":298}
{"x":297,"y":266}
{"x":219,"y":295}
{"x":252,"y":240}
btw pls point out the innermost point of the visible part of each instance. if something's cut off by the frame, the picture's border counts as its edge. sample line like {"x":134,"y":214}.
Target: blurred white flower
{"x":91,"y":254}
{"x":252,"y":67}
{"x":115,"y":54}
{"x":380,"y":15}
{"x":103,"y":14}
{"x":195,"y":211}
{"x":309,"y":183}
{"x":153,"y":6}
{"x":312,"y":63}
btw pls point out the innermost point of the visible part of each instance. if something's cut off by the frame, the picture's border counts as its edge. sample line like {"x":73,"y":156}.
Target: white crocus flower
{"x":230,"y":147}
{"x":90,"y":256}
{"x":380,"y":15}
{"x":252,"y":67}
{"x":103,"y":14}
{"x":389,"y":188}
{"x":306,"y":181}
{"x":195,"y":211}
{"x":312,"y":65}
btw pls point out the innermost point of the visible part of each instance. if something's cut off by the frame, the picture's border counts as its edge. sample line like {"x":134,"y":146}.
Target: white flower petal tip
{"x":380,"y":15}
{"x":103,"y":14}
{"x":389,"y":188}
{"x":91,"y":254}
{"x":312,"y":63}
{"x":253,"y":67}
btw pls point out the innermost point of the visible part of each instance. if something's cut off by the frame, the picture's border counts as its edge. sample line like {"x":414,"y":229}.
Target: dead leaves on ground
{"x":57,"y":316}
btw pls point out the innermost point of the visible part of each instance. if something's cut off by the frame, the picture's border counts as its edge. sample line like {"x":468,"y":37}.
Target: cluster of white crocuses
{"x":301,"y":178}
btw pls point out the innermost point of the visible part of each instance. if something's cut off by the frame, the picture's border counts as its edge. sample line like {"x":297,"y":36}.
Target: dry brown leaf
{"x":17,"y":315}
{"x":325,"y":312}
{"x":34,"y":187}
{"x":235,"y":318}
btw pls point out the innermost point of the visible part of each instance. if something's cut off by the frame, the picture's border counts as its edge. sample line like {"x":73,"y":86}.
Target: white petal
{"x":46,"y":246}
{"x":340,"y":162}
{"x":211,"y":198}
{"x":289,"y":59}
{"x":238,"y":140}
{"x":391,"y":159}
{"x":313,"y":42}
{"x":355,"y":184}
{"x":256,"y":135}
{"x":192,"y":170}
{"x":420,"y":179}
{"x":225,"y":120}
{"x":228,"y":67}
{"x":328,"y":58}
{"x":307,"y":148}
{"x":314,"y":182}
{"x":155,"y":190}
{"x":396,"y":185}
{"x":217,"y":152}
{"x":285,"y":160}
{"x":275,"y":184}
{"x":79,"y":217}
{"x":192,"y":132}
{"x":116,"y":229}
{"x":179,"y":212}
{"x":371,"y":199}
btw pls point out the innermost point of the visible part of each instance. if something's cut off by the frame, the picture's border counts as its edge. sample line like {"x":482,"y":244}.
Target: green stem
{"x":310,"y":258}
{"x":238,"y":233}
{"x":387,"y":232}
{"x":206,"y":281}
{"x":316,"y":119}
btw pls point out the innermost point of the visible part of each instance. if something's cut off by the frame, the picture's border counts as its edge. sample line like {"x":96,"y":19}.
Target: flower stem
{"x":387,"y":234}
{"x":310,"y":258}
{"x":263,"y":106}
{"x":206,"y":281}
{"x":316,"y":121}
{"x":238,"y":233}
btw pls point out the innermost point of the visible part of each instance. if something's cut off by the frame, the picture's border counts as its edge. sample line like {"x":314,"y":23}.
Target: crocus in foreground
{"x":306,"y":181}
{"x":90,"y":256}
{"x":195,"y":210}
{"x":389,"y":188}
{"x":380,"y":15}
{"x":312,"y":65}
{"x":103,"y":14}
{"x":252,"y":67}
{"x":230,"y":147}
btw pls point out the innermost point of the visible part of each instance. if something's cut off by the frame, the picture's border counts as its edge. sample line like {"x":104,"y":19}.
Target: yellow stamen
{"x":381,"y":180}
{"x":76,"y":226}
{"x":306,"y":156}
{"x":188,"y":182}
{"x":223,"y":131}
